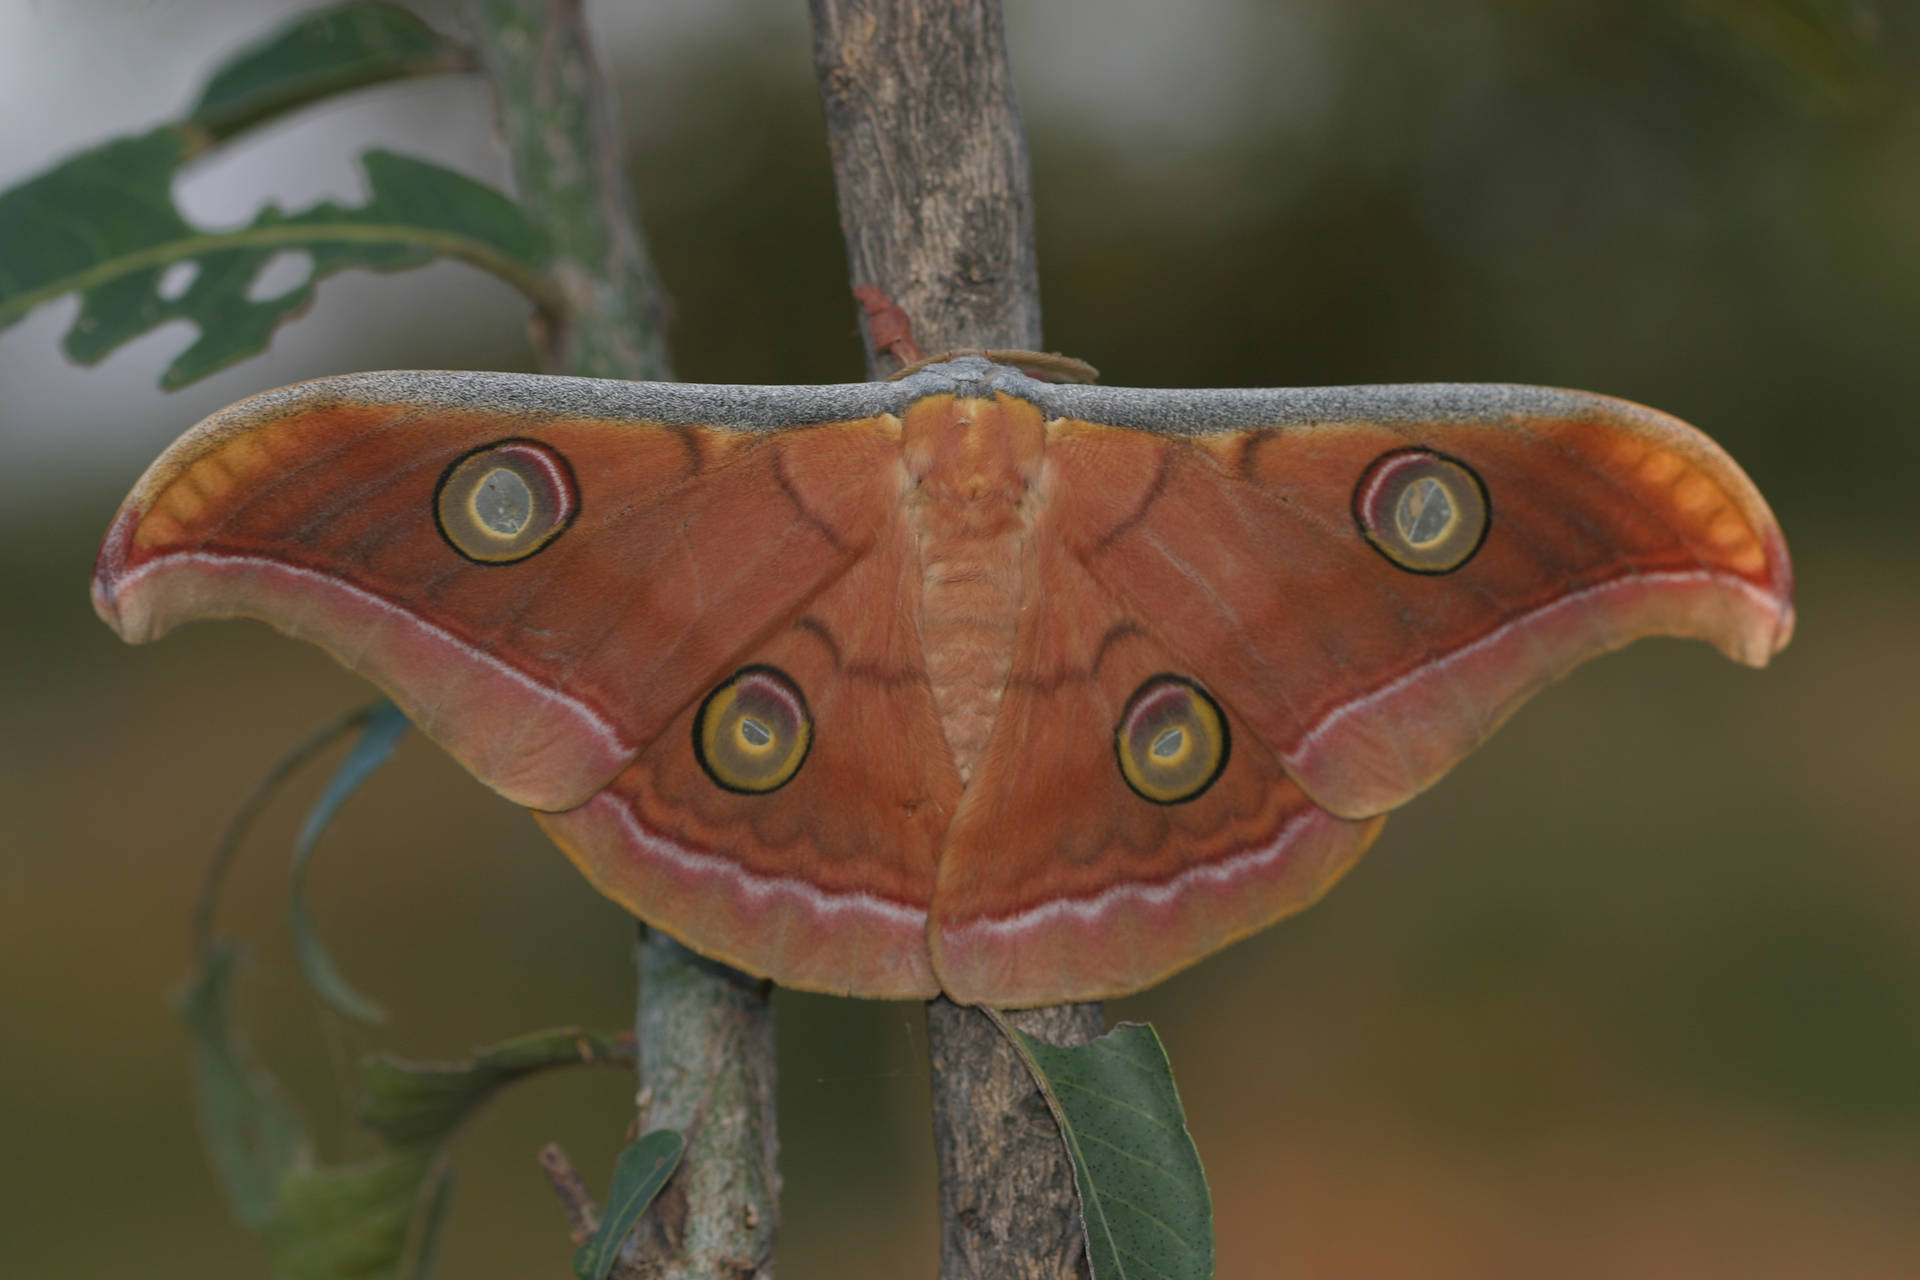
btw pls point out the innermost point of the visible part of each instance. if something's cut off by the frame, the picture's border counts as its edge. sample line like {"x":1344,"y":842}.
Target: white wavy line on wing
{"x":1091,"y":908}
{"x":1355,"y":706}
{"x":601,"y":728}
{"x":755,"y":885}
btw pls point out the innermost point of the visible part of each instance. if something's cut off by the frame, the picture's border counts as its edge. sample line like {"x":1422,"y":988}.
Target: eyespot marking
{"x":1172,"y":740}
{"x":503,"y":502}
{"x":1423,"y":511}
{"x":753,"y":732}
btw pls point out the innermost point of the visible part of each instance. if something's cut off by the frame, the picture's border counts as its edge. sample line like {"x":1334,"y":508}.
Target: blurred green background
{"x":1635,"y":991}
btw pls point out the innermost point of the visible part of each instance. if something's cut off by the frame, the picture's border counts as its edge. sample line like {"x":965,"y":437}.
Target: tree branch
{"x":557,"y":113}
{"x":705,"y":1032}
{"x":706,"y":1060}
{"x":930,"y":164}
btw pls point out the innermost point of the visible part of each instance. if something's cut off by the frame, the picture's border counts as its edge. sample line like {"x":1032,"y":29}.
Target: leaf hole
{"x":177,"y":279}
{"x":284,"y":272}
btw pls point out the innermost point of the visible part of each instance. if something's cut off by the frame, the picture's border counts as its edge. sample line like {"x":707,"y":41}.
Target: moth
{"x":969,"y":681}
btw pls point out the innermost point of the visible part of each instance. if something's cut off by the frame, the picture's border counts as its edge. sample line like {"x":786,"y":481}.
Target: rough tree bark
{"x":705,"y":1031}
{"x":930,"y":164}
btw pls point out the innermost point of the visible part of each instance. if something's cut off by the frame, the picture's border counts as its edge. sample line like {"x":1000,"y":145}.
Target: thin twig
{"x":582,"y":1212}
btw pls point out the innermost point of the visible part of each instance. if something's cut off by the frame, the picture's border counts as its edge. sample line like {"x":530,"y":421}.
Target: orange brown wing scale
{"x":1124,"y":822}
{"x":821,"y":876}
{"x":1275,"y":560}
{"x":966,"y":681}
{"x":337,"y":512}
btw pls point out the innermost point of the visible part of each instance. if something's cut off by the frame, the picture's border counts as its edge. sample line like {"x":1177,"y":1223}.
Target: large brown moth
{"x":964,"y":682}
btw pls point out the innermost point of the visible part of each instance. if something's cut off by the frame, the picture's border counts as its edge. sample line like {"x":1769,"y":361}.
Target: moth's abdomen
{"x":973,"y":463}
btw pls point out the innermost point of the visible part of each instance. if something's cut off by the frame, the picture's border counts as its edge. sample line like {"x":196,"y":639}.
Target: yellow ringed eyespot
{"x":753,"y":731}
{"x":505,"y":501}
{"x":1424,"y":511}
{"x":1172,"y":740}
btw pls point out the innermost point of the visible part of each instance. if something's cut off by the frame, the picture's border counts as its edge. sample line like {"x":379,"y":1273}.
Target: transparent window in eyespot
{"x":1424,"y":511}
{"x":503,"y":503}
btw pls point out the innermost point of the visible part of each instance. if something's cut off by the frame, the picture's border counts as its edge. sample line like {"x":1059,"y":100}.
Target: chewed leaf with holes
{"x":104,"y":225}
{"x":320,"y":53}
{"x":965,"y":682}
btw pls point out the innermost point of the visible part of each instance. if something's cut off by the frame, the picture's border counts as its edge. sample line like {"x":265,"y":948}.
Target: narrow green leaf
{"x":638,"y":1175}
{"x":237,"y":826}
{"x":252,"y":1134}
{"x":379,"y":733}
{"x":415,"y":1102}
{"x":322,"y":52}
{"x":1143,"y":1194}
{"x":433,"y":1220}
{"x":104,"y":224}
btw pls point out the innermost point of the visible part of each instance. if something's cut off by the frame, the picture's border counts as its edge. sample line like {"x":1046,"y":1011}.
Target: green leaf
{"x":325,"y":1222}
{"x":352,"y":1221}
{"x":642,"y":1169}
{"x":104,"y":224}
{"x":433,"y":1221}
{"x":1143,"y":1194}
{"x":414,"y":1102}
{"x":229,"y":847}
{"x":252,"y":1134}
{"x":356,"y":1220}
{"x":331,"y":1222}
{"x":321,"y":53}
{"x":379,"y":732}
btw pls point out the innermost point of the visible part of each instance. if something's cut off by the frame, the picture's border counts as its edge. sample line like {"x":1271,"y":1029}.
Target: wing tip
{"x":1785,"y":614}
{"x":110,"y":568}
{"x":1762,"y":602}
